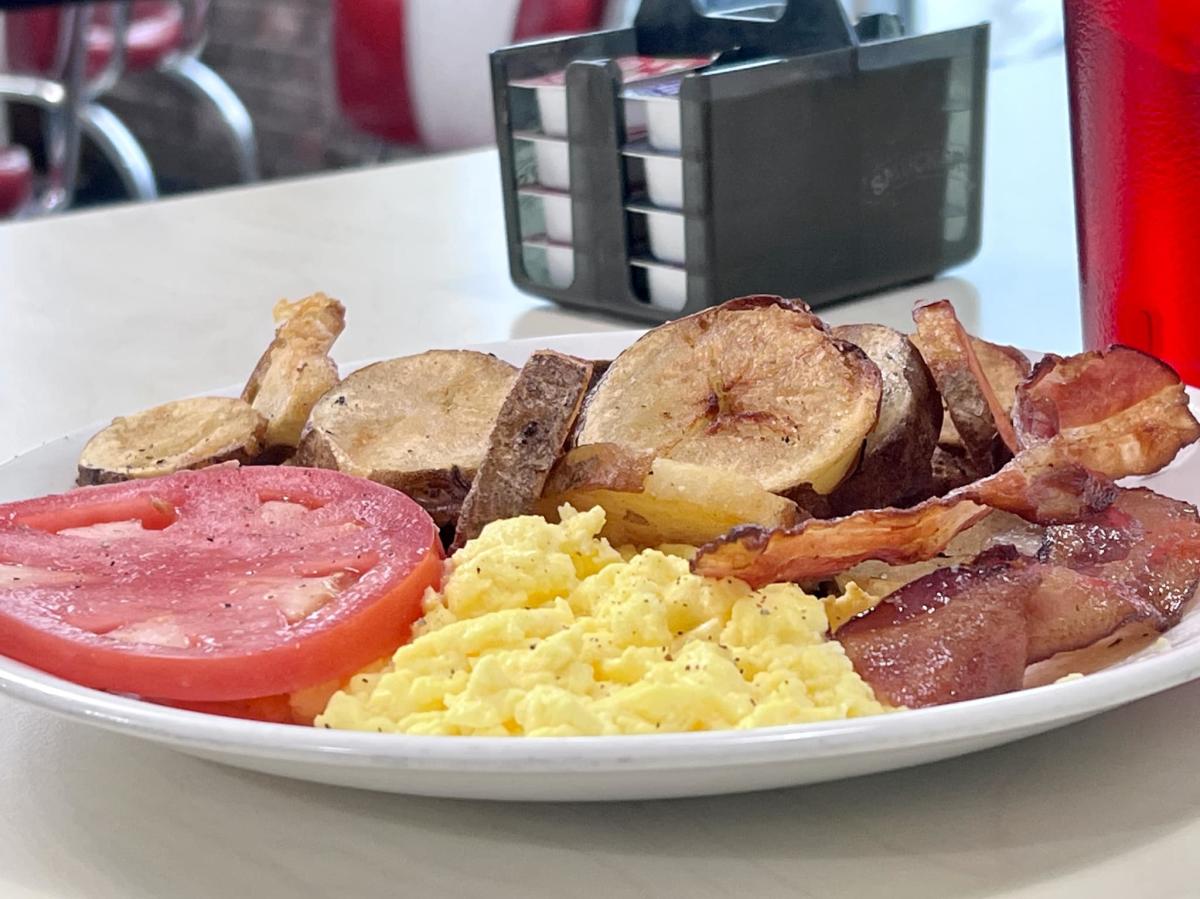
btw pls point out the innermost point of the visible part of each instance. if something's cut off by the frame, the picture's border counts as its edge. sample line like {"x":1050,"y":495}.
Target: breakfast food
{"x":756,"y":386}
{"x":777,"y":522}
{"x":546,"y":630}
{"x":222,"y":584}
{"x":264,"y":425}
{"x":175,"y":436}
{"x":296,"y":371}
{"x":897,"y":458}
{"x":652,"y":501}
{"x":1117,"y":411}
{"x":390,"y":422}
{"x":1036,"y":485}
{"x":531,"y":429}
{"x":970,"y":631}
{"x":979,"y":418}
{"x":1004,"y":367}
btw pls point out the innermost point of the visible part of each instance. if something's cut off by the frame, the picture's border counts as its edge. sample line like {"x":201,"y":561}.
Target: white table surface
{"x":109,"y":311}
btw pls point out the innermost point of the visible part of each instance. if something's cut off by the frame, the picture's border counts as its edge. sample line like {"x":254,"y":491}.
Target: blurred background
{"x":119,"y":101}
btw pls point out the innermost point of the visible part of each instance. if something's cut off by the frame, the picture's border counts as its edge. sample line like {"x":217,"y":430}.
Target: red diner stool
{"x":140,"y":34}
{"x":165,"y":36}
{"x":155,"y":28}
{"x":16,"y":180}
{"x":55,"y":90}
{"x":415,"y":73}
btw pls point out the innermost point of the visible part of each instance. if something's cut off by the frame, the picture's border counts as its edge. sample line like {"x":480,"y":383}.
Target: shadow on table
{"x":892,"y":308}
{"x":143,"y":821}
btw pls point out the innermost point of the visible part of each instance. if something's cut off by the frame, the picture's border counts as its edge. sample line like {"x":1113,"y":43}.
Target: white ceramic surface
{"x":602,"y":768}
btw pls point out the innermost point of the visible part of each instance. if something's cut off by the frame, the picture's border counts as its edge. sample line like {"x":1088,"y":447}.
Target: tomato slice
{"x":214,"y":585}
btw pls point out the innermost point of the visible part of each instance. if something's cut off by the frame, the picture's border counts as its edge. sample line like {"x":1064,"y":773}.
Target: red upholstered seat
{"x":16,"y":180}
{"x":155,"y":30}
{"x":371,"y":58}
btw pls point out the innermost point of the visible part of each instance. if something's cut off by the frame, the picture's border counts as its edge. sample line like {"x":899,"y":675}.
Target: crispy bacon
{"x":1036,"y":486}
{"x":1069,"y":610}
{"x":1118,"y":411}
{"x":1146,"y":544}
{"x":969,"y":631}
{"x":957,"y":633}
{"x":976,"y":411}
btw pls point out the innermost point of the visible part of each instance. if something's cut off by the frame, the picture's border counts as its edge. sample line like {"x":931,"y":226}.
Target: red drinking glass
{"x":1134,"y":71}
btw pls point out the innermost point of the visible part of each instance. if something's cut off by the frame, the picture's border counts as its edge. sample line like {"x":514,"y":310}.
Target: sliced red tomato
{"x":214,"y":585}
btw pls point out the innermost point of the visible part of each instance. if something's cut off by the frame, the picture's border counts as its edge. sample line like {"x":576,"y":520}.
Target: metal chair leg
{"x":201,"y":81}
{"x":121,"y":149}
{"x":61,"y":134}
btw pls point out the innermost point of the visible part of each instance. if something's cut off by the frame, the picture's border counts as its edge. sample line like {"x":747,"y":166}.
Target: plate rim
{"x":1153,"y":671}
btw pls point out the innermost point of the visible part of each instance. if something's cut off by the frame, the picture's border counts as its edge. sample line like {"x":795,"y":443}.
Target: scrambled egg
{"x":546,"y":630}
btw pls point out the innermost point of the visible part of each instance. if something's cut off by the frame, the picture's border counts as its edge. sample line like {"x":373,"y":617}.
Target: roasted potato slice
{"x":1004,"y":367}
{"x":295,"y":370}
{"x":530,"y":432}
{"x":983,"y":424}
{"x":419,"y":424}
{"x":179,"y":435}
{"x":951,"y":469}
{"x":756,"y":386}
{"x":649,"y":502}
{"x":895,"y":464}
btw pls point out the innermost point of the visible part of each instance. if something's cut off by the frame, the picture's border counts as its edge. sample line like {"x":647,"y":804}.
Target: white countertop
{"x":109,"y":311}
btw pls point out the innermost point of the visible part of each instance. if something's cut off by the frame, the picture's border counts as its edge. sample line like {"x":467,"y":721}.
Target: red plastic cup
{"x":1134,"y":71}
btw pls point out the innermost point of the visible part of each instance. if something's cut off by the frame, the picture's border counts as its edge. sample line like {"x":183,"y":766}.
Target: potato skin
{"x":419,"y":424}
{"x":530,"y":431}
{"x":295,"y":370}
{"x":895,"y":466}
{"x":176,"y":436}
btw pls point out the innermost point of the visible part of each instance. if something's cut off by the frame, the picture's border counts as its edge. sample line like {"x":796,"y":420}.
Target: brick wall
{"x":276,"y":56}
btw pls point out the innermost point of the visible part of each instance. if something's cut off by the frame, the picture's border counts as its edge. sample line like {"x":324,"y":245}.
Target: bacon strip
{"x":1146,"y":544}
{"x":976,"y":411}
{"x":955,"y":634}
{"x":1069,"y":610}
{"x":1118,"y":411}
{"x":970,"y":631}
{"x":1036,"y":486}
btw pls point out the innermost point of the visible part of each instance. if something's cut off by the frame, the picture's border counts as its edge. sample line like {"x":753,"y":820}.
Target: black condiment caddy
{"x":817,"y":159}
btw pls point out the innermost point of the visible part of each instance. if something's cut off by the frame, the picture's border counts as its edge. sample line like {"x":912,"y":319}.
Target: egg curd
{"x":546,"y":630}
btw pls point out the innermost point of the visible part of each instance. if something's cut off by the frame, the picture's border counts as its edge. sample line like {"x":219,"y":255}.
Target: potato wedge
{"x":950,"y":469}
{"x":1004,"y":367}
{"x":295,"y":370}
{"x":895,"y":465}
{"x":530,"y":431}
{"x":983,"y":425}
{"x":419,"y":424}
{"x":755,"y":386}
{"x":649,"y":502}
{"x":183,"y":434}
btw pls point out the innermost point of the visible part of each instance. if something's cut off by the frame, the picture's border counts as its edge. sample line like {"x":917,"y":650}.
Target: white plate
{"x":573,"y":768}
